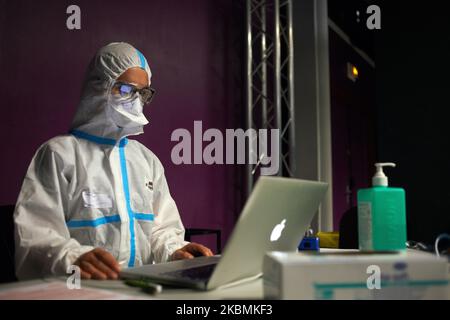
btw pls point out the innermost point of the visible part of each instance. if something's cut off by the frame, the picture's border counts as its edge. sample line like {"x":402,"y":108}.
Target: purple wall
{"x":193,"y":48}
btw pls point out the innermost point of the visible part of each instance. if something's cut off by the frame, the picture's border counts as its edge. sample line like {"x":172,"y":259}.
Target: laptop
{"x":274,"y":218}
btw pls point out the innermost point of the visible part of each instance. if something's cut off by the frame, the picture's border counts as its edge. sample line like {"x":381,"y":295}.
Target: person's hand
{"x":190,"y":251}
{"x":98,"y":264}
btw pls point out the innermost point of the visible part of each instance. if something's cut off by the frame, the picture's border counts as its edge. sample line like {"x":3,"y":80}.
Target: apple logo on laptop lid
{"x":277,"y":231}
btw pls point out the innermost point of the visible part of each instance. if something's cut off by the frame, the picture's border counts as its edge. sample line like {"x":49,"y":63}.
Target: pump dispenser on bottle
{"x":381,"y":215}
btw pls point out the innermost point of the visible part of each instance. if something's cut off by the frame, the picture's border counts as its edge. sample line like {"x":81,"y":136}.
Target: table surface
{"x":251,"y":290}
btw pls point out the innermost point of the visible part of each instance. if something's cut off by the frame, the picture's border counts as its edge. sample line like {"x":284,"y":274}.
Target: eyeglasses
{"x":129,"y":91}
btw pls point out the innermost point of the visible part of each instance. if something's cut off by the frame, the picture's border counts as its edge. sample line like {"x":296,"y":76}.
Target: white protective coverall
{"x":95,"y":188}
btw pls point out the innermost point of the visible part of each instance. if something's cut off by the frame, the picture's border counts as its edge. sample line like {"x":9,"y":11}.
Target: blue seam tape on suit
{"x":99,"y":140}
{"x":107,"y":219}
{"x":123,"y":166}
{"x":141,"y":58}
{"x":144,"y":216}
{"x":93,"y":223}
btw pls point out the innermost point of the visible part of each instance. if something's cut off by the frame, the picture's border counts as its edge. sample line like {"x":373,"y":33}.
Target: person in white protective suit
{"x":95,"y":198}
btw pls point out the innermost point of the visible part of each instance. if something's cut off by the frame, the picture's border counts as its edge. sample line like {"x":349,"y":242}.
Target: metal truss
{"x":270,"y":79}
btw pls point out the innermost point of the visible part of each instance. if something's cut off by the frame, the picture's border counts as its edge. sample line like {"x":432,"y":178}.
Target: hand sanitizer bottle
{"x":381,"y":215}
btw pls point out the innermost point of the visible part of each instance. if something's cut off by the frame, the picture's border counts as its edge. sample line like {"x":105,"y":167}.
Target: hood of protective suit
{"x":93,"y":115}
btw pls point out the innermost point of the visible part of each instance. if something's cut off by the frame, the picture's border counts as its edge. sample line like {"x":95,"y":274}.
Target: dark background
{"x":397,"y":112}
{"x":413,"y":68}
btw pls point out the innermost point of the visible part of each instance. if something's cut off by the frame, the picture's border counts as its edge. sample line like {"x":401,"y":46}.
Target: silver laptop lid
{"x":275,"y":218}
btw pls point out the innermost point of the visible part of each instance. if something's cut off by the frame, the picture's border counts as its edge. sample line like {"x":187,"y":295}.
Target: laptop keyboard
{"x":196,"y":273}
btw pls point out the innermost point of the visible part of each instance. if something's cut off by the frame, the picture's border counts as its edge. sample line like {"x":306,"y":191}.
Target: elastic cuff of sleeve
{"x":174,"y":247}
{"x":73,"y":255}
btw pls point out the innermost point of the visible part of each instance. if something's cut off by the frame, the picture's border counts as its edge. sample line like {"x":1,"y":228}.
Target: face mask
{"x":127,"y":113}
